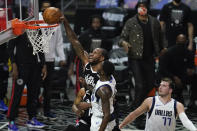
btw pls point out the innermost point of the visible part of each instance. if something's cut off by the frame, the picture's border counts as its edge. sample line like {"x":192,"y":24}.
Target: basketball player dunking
{"x":91,"y":62}
{"x":102,"y":100}
{"x":161,"y":111}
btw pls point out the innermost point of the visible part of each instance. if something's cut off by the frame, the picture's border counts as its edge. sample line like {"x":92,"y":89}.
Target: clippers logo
{"x":90,"y":80}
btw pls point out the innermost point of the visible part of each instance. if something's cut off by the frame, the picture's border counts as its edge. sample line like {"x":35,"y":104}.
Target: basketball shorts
{"x":96,"y":123}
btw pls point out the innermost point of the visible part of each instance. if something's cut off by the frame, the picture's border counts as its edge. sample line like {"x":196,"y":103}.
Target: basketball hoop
{"x":38,"y":32}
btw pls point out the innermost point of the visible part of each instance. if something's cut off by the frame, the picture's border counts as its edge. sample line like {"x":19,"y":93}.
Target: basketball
{"x":52,"y":15}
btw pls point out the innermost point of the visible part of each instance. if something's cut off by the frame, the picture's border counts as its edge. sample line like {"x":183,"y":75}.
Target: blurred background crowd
{"x":102,"y":23}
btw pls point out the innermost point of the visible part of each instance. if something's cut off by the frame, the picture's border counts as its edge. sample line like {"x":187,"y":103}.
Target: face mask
{"x":142,"y":11}
{"x":177,"y":1}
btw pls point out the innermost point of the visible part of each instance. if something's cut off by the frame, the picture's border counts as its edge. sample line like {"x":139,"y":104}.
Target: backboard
{"x":9,"y":9}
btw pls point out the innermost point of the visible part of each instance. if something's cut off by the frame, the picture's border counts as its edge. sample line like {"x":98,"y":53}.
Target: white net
{"x":40,"y":38}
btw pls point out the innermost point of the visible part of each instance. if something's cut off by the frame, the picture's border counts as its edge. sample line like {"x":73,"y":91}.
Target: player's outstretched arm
{"x":74,"y":40}
{"x":184,"y":119}
{"x":136,"y":113}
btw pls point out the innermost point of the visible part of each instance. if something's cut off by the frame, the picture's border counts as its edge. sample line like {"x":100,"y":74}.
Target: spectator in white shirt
{"x":55,"y":48}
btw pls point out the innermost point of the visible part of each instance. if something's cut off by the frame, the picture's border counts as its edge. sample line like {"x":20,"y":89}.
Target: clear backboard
{"x":9,"y":9}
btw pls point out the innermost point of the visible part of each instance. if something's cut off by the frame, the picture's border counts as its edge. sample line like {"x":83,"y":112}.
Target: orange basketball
{"x":52,"y":15}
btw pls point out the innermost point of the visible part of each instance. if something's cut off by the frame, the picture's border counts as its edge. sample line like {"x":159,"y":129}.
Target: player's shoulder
{"x":149,"y":100}
{"x":104,"y":91}
{"x":147,"y":103}
{"x":105,"y":87}
{"x":179,"y":105}
{"x":112,"y":80}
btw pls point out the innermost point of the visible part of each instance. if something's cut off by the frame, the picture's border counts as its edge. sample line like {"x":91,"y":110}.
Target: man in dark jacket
{"x":26,"y":70}
{"x":142,"y":39}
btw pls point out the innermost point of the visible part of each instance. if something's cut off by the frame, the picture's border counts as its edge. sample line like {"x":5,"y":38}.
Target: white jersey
{"x":96,"y":101}
{"x":161,"y":117}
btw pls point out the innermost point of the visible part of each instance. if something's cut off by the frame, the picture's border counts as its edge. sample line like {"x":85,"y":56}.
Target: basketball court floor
{"x":67,"y":117}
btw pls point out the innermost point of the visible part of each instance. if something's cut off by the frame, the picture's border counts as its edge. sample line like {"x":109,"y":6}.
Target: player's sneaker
{"x":12,"y":126}
{"x":33,"y":123}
